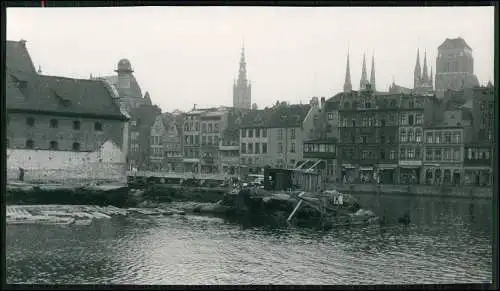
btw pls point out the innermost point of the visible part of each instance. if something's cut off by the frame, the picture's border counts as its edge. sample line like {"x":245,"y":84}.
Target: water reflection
{"x":446,"y":242}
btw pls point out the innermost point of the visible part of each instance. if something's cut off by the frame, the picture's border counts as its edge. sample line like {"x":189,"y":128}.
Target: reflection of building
{"x":51,"y":121}
{"x":274,"y":136}
{"x":242,"y":89}
{"x":444,"y":148}
{"x":454,"y":66}
{"x":141,"y":110}
{"x":165,"y":144}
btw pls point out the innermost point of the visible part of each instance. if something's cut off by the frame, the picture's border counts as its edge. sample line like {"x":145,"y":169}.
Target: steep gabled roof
{"x":454,"y":43}
{"x":279,"y":116}
{"x":18,"y":58}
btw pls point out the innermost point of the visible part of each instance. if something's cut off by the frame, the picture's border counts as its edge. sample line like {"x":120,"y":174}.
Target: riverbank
{"x":416,"y":190}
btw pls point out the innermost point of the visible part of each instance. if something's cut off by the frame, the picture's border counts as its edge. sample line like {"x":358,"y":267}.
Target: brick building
{"x":59,"y":115}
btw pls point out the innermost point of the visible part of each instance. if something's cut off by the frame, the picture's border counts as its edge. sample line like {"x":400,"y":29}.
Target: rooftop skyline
{"x":190,"y":55}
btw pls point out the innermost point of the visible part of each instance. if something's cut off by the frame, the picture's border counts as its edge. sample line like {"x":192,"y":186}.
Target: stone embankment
{"x":416,"y":190}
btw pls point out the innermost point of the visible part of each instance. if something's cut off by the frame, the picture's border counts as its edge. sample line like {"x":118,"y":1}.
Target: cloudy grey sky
{"x":187,"y":55}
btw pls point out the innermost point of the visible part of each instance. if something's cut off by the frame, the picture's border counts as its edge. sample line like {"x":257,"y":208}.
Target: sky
{"x":190,"y":55}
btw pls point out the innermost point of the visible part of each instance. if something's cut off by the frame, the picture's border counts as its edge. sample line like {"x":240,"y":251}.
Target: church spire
{"x":431,"y":80}
{"x":242,"y":76}
{"x":425,"y":76}
{"x":372,"y":75}
{"x":364,"y":78}
{"x":347,"y":82}
{"x":417,"y":73}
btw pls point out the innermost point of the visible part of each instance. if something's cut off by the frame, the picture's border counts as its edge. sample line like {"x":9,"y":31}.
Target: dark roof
{"x":454,"y":43}
{"x":62,"y":95}
{"x":279,"y":116}
{"x":18,"y":58}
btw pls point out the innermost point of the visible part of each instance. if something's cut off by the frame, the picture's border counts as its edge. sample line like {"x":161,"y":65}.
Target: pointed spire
{"x":347,"y":82}
{"x":425,"y":76}
{"x":372,"y":74}
{"x":417,"y":73}
{"x":242,"y":77}
{"x":364,"y":78}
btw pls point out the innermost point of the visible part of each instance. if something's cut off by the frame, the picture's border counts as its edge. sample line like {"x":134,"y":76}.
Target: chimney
{"x":323,"y":100}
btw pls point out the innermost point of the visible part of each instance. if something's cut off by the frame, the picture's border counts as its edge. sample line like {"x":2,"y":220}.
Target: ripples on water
{"x":444,"y":244}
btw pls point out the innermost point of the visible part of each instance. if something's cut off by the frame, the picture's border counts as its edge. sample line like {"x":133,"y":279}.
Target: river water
{"x":447,"y":241}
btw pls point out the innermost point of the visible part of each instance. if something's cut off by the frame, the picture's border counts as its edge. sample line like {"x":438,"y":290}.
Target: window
{"x":76,"y":147}
{"x":364,"y":121}
{"x":30,"y":121}
{"x":402,"y":152}
{"x":428,"y":137}
{"x":447,"y":137}
{"x":54,"y":123}
{"x":264,"y":148}
{"x":353,"y":122}
{"x":257,"y":147}
{"x":216,"y":127}
{"x":203,"y":127}
{"x":411,"y":135}
{"x":257,"y":132}
{"x":292,"y":149}
{"x":292,"y":133}
{"x":368,"y":105}
{"x":402,"y":135}
{"x":280,"y":147}
{"x":437,"y":154}
{"x":264,"y":132}
{"x":250,"y":148}
{"x":419,"y":118}
{"x":216,"y":140}
{"x":411,"y":104}
{"x":418,"y":136}
{"x":382,"y":154}
{"x":402,"y":119}
{"x":457,"y":137}
{"x":438,"y":137}
{"x":487,"y":154}
{"x":382,"y":139}
{"x":243,"y":148}
{"x":97,"y":126}
{"x":364,"y":139}
{"x":76,"y":125}
{"x":446,"y":154}
{"x":330,"y":116}
{"x":411,"y":153}
{"x":203,"y":139}
{"x":364,"y":155}
{"x":30,"y":144}
{"x":243,"y":133}
{"x":280,"y":133}
{"x":250,"y":132}
{"x":209,"y":127}
{"x":417,"y":154}
{"x":392,"y":155}
{"x":209,"y":140}
{"x":54,"y":145}
{"x":428,"y":154}
{"x":382,"y":122}
{"x":410,"y":119}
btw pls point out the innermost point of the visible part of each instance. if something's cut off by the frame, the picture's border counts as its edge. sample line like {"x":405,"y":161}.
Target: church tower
{"x":372,"y":75}
{"x":242,"y":89}
{"x":347,"y":82}
{"x":417,"y":72}
{"x":364,"y":78}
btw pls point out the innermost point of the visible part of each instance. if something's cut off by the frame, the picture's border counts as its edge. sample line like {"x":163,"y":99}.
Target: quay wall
{"x":416,"y":190}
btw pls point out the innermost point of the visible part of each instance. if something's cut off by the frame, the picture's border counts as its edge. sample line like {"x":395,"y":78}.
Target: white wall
{"x":107,"y":163}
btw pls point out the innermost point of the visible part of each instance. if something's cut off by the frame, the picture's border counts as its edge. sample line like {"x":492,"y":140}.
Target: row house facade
{"x":166,"y":143}
{"x":274,"y":136}
{"x":444,"y":148}
{"x":229,"y":144}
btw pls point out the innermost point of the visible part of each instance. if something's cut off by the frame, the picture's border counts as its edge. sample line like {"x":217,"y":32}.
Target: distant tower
{"x":372,"y":75}
{"x":431,"y":80}
{"x":364,"y":79}
{"x":347,"y":82}
{"x":417,"y":73}
{"x":242,"y":89}
{"x":454,"y":66}
{"x":425,"y":73}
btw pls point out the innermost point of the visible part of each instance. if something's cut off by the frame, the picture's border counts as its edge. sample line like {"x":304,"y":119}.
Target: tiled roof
{"x":453,"y":43}
{"x":18,"y":58}
{"x":62,"y":95}
{"x":280,"y":116}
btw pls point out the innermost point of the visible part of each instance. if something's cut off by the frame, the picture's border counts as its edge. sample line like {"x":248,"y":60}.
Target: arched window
{"x":76,"y":146}
{"x":97,"y":126}
{"x":30,"y":144}
{"x":54,"y":145}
